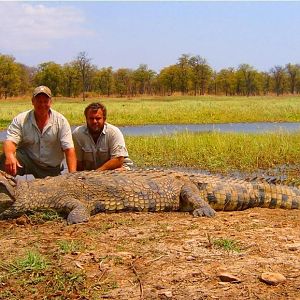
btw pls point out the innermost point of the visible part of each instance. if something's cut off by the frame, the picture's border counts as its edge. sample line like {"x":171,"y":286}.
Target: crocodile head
{"x":7,"y":191}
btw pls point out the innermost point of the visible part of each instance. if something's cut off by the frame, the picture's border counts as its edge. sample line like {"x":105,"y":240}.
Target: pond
{"x":258,"y":127}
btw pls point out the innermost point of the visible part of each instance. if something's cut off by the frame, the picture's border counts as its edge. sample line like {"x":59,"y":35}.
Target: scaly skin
{"x":83,"y":194}
{"x":230,"y":194}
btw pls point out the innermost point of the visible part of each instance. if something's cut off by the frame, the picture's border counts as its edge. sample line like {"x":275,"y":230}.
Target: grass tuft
{"x":66,"y":246}
{"x":227,"y":244}
{"x":41,"y":217}
{"x":31,"y":262}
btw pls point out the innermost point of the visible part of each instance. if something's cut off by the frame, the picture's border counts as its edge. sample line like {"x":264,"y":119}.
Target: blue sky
{"x":126,"y":34}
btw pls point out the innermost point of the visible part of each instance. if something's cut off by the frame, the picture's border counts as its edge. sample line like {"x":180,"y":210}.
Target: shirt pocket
{"x":30,"y":139}
{"x":103,"y":149}
{"x":88,"y":155}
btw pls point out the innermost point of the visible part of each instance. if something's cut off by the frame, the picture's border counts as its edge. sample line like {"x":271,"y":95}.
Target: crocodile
{"x":79,"y":195}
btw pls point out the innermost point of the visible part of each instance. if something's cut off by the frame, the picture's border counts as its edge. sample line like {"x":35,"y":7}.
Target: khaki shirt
{"x":44,"y":148}
{"x":93,"y":155}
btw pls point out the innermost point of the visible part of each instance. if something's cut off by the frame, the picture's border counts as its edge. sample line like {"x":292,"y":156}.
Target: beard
{"x":96,"y":129}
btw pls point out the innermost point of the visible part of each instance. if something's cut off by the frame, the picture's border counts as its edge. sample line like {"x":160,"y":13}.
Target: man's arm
{"x":113,"y":163}
{"x":11,"y":162}
{"x":71,"y":159}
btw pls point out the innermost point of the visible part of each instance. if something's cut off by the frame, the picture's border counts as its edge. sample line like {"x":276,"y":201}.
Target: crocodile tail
{"x":278,"y":196}
{"x":227,"y":197}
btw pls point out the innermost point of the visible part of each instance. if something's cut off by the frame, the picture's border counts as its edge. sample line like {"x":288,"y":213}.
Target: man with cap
{"x":38,"y":139}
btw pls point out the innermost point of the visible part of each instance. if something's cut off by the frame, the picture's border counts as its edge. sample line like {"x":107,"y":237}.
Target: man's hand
{"x":12,"y":165}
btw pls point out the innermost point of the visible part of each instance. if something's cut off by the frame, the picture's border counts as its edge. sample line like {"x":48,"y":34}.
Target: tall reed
{"x":218,"y":152}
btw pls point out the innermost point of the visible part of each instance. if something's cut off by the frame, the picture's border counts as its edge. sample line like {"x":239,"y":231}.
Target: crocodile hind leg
{"x":192,"y":202}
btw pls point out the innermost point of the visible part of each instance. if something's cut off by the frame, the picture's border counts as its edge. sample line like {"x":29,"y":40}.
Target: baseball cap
{"x":42,"y":90}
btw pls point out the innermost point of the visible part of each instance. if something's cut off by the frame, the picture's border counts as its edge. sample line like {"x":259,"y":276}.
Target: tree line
{"x":190,"y":75}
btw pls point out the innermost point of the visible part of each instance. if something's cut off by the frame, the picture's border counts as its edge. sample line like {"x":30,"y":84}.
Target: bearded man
{"x":99,"y":145}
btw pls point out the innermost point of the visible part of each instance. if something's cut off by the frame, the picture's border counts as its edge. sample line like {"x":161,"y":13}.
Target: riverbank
{"x":217,"y":152}
{"x":171,"y":110}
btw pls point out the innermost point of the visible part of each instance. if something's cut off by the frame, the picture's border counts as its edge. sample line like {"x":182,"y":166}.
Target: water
{"x":258,"y":127}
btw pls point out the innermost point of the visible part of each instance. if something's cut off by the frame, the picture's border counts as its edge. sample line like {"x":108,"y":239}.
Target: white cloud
{"x":29,"y":26}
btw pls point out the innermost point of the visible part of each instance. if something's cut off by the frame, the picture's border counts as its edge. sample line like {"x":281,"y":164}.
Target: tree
{"x":183,"y":73}
{"x":293,"y":72}
{"x":104,"y":80}
{"x":213,"y":85}
{"x":71,"y":79}
{"x":10,"y":80}
{"x":278,"y":75}
{"x":265,"y":81}
{"x":83,"y":64}
{"x":51,"y":75}
{"x":247,"y":83}
{"x":201,"y":74}
{"x":227,"y":82}
{"x":142,"y":77}
{"x":26,"y":77}
{"x":168,"y":79}
{"x":123,"y":81}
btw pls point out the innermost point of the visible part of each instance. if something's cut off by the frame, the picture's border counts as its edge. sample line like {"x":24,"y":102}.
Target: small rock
{"x":190,"y":257}
{"x":272,"y":278}
{"x":23,"y":220}
{"x":124,"y":254}
{"x":293,"y":247}
{"x":253,"y":215}
{"x":227,"y":277}
{"x":166,"y":294}
{"x":159,"y":287}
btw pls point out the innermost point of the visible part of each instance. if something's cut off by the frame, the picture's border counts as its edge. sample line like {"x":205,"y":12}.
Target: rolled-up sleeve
{"x":66,"y":135}
{"x":14,"y":131}
{"x":117,"y":144}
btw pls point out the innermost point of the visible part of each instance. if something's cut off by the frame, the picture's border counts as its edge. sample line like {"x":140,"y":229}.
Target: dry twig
{"x":139,"y":279}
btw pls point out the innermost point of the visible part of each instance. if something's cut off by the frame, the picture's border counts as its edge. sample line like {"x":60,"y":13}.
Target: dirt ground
{"x":168,"y":255}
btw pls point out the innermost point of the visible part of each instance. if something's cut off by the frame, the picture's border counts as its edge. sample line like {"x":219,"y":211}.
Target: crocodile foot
{"x":204,"y":211}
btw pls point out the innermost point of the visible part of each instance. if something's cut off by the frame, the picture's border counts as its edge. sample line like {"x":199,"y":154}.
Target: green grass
{"x":31,"y":262}
{"x":66,"y":246}
{"x":214,"y":152}
{"x":229,"y":245}
{"x":217,"y":152}
{"x":171,"y":110}
{"x":68,"y":281}
{"x":40,"y":217}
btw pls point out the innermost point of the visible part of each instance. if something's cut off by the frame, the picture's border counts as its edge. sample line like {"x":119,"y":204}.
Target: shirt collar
{"x":33,"y":121}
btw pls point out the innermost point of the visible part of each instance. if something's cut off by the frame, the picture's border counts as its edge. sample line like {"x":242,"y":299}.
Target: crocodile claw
{"x":204,"y":211}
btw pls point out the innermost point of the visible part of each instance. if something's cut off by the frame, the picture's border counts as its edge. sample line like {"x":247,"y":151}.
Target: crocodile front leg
{"x":78,"y":212}
{"x":192,"y":202}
